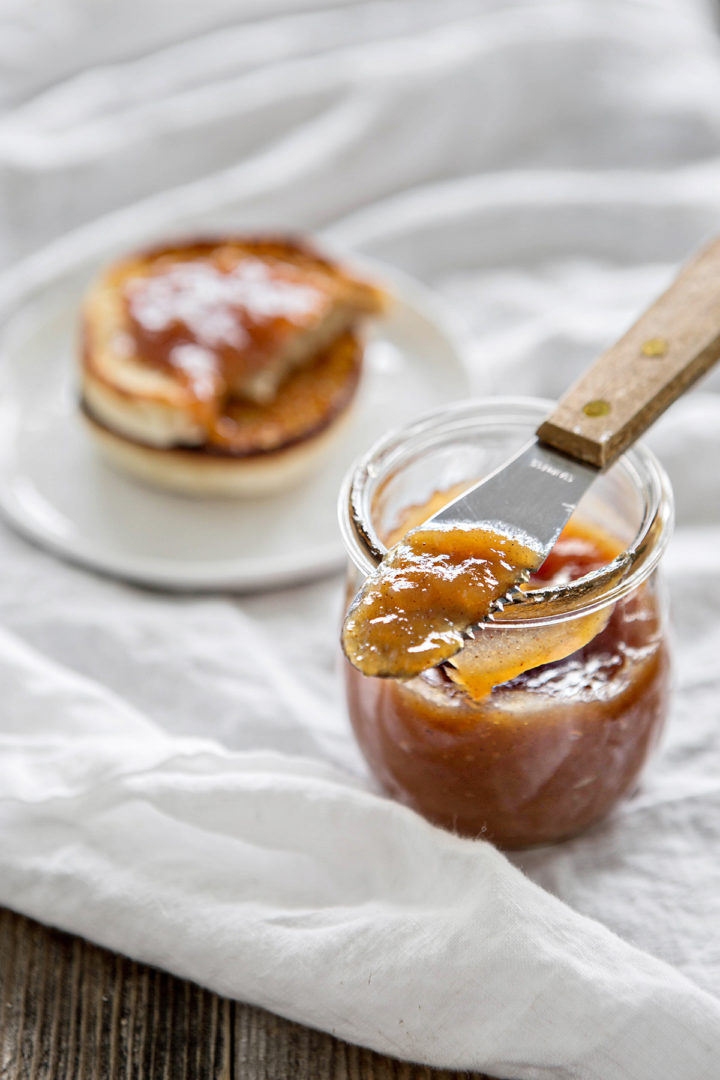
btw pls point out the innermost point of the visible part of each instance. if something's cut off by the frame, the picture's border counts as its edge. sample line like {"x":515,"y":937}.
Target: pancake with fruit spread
{"x":222,"y":366}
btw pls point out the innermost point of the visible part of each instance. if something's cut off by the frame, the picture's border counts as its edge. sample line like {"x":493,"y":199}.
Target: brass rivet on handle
{"x":656,"y":346}
{"x":597,"y":408}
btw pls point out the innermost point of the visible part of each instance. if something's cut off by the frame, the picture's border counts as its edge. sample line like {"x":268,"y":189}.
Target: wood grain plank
{"x":72,"y":1011}
{"x":9,"y":1018}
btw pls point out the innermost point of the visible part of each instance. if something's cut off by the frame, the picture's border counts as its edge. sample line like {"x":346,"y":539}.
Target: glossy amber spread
{"x":542,"y":753}
{"x":312,"y":397}
{"x":433,"y":585}
{"x":216,"y":318}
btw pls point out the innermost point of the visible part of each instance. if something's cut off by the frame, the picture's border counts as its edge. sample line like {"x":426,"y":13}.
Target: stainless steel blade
{"x":530,"y":498}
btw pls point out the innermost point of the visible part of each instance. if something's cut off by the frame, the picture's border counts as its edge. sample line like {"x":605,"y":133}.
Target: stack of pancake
{"x":223,"y":366}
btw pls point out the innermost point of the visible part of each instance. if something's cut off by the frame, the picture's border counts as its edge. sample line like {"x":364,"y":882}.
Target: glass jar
{"x":551,"y":751}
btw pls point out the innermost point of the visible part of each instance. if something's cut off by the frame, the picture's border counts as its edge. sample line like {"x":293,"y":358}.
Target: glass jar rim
{"x":580,"y":597}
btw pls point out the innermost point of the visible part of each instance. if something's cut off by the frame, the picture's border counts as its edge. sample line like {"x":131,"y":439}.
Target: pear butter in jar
{"x":540,"y":724}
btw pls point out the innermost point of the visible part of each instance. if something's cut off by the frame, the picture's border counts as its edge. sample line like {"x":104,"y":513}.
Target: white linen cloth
{"x":177,"y":776}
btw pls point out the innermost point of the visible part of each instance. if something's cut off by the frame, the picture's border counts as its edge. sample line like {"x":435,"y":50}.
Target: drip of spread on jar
{"x":436,"y":582}
{"x":223,"y":323}
{"x":498,"y":654}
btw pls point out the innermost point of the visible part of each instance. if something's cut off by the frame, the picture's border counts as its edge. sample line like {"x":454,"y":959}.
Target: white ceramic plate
{"x":56,"y":491}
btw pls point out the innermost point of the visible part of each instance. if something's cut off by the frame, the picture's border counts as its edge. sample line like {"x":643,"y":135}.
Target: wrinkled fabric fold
{"x":266,"y":870}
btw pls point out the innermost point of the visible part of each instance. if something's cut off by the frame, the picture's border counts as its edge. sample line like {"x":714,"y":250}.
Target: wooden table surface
{"x":72,"y":1011}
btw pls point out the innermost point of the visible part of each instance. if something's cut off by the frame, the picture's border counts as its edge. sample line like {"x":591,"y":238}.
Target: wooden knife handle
{"x":675,"y":342}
